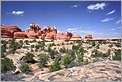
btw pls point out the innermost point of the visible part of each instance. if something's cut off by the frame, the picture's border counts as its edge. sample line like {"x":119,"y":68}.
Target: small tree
{"x":29,"y":58}
{"x":117,"y":55}
{"x":25,"y":68}
{"x":55,"y":66}
{"x":43,"y":60}
{"x":67,"y":59}
{"x":7,"y":65}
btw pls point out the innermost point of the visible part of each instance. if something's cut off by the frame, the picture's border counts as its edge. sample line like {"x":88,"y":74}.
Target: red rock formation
{"x":34,"y":31}
{"x":76,"y":37}
{"x":11,"y":29}
{"x":88,"y":36}
{"x":20,"y":35}
{"x":5,"y":33}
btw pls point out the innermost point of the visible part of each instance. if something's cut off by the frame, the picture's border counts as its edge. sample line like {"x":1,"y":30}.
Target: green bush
{"x":62,"y":50}
{"x":79,"y":58}
{"x":93,"y":43}
{"x":55,"y":66}
{"x":96,"y":53}
{"x":32,"y":46}
{"x":3,"y":50}
{"x":52,"y":53}
{"x":29,"y":58}
{"x":117,"y":55}
{"x":7,"y":65}
{"x":43,"y":60}
{"x":25,"y":68}
{"x":67,"y":59}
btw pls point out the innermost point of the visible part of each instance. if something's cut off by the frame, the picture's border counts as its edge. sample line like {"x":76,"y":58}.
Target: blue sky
{"x":99,"y":18}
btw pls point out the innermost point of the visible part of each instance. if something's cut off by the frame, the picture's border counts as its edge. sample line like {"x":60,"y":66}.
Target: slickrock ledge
{"x":98,"y":71}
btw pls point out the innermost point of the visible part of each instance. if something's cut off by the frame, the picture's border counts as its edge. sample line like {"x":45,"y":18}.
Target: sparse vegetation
{"x":43,"y":58}
{"x":29,"y":58}
{"x":67,"y":59}
{"x":55,"y":66}
{"x":25,"y":68}
{"x":117,"y":55}
{"x":7,"y":65}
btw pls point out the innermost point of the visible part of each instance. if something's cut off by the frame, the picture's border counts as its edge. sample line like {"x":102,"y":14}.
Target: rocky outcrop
{"x":20,"y":35}
{"x":10,"y":29}
{"x":34,"y":31}
{"x":88,"y":36}
{"x":5,"y":33}
{"x":64,"y":36}
{"x":76,"y":38}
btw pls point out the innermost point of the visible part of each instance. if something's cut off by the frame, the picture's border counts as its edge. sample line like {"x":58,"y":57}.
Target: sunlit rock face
{"x":88,"y":36}
{"x":64,"y":36}
{"x":9,"y":30}
{"x":76,"y":37}
{"x":34,"y":31}
{"x":5,"y":33}
{"x":20,"y":35}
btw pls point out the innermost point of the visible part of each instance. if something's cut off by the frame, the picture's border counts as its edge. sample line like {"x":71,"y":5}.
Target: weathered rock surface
{"x":98,"y":71}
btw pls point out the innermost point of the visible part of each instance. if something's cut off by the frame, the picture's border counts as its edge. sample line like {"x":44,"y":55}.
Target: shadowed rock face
{"x":34,"y":31}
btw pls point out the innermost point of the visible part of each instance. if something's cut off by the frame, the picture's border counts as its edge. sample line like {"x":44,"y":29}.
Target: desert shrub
{"x":24,"y":68}
{"x":96,"y":53}
{"x":75,"y":47}
{"x":71,"y":42}
{"x":71,"y":52}
{"x":26,"y":41}
{"x":42,"y":60}
{"x":93,"y":43}
{"x":34,"y":40}
{"x":81,"y":49}
{"x":41,"y":44}
{"x":52,"y":53}
{"x":62,"y":43}
{"x":29,"y":58}
{"x":98,"y":46}
{"x":32,"y":46}
{"x":56,"y":65}
{"x":67,"y":59}
{"x":14,"y":46}
{"x":79,"y":58}
{"x":7,"y":65}
{"x":86,"y":62}
{"x":62,"y":50}
{"x":21,"y":42}
{"x":37,"y":46}
{"x":117,"y":55}
{"x":3,"y":50}
{"x":118,"y":44}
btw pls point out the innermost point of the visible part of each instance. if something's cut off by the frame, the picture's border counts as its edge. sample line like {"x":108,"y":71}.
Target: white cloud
{"x":112,"y":29}
{"x":96,"y":6}
{"x":107,"y":19}
{"x":110,"y":12}
{"x":17,"y":12}
{"x":75,"y":6}
{"x":117,"y":22}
